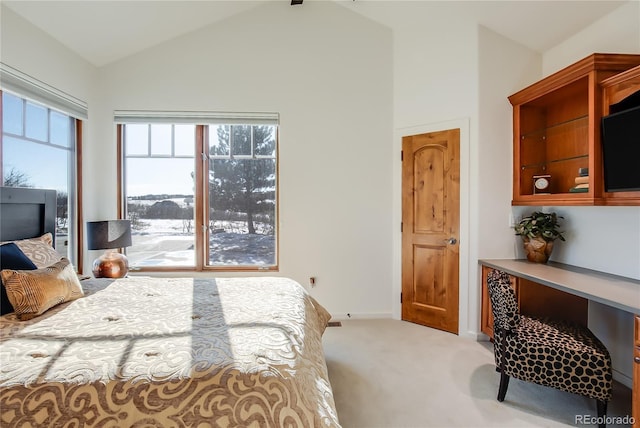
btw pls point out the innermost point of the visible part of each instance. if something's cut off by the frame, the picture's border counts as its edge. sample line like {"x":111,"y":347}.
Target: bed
{"x":165,"y":352}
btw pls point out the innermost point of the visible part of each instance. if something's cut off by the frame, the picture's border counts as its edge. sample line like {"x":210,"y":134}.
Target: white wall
{"x":616,"y":32}
{"x":504,"y":68}
{"x":434,"y":90}
{"x":33,"y":52}
{"x":328,"y":72}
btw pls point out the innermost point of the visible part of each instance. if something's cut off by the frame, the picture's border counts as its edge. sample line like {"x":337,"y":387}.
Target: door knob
{"x":451,"y":241}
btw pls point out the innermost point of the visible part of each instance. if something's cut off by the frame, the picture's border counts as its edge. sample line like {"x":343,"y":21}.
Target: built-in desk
{"x":574,"y":287}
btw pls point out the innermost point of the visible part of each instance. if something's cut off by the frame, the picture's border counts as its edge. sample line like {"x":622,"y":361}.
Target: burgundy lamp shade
{"x":109,"y":235}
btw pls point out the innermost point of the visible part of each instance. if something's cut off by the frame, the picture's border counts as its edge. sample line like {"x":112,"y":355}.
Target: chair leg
{"x":602,"y":413}
{"x":504,"y":384}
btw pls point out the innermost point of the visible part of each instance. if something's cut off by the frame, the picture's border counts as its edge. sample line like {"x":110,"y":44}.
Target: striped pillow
{"x":33,"y":292}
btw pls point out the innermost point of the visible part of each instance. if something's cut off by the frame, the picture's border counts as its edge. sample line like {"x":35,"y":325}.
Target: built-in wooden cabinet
{"x":535,"y":299}
{"x":556,"y":131}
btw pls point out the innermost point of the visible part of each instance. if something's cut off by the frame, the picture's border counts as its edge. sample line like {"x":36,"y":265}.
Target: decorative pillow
{"x":11,"y":257}
{"x":40,"y":250}
{"x":32,"y":292}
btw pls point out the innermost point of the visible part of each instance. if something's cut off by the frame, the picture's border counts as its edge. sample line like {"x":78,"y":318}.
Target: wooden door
{"x":430,"y":226}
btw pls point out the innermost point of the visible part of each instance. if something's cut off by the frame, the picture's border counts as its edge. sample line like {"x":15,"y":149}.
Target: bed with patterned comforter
{"x":170,"y":352}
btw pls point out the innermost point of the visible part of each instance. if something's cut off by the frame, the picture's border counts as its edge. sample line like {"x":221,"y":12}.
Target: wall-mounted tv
{"x":621,"y":150}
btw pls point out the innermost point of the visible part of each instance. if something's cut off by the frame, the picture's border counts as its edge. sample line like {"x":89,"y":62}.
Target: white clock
{"x":541,"y":184}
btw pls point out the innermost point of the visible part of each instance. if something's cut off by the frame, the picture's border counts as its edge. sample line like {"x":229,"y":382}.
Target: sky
{"x":40,"y":148}
{"x":159,"y":176}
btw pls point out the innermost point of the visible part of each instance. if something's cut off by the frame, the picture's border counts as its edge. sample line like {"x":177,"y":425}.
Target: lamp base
{"x":111,"y":264}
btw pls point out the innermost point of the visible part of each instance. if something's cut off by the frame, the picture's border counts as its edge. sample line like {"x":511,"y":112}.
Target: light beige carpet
{"x":389,"y":373}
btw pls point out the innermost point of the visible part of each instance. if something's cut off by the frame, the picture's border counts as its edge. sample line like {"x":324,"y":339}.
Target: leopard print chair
{"x":551,"y":353}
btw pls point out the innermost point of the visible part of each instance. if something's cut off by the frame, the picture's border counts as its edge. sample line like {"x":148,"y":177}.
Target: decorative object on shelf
{"x":538,"y":231}
{"x":541,"y":184}
{"x":109,"y":235}
{"x":581,"y":181}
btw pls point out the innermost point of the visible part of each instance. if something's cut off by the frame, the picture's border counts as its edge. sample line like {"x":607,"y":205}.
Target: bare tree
{"x":15,"y":178}
{"x":62,"y":210}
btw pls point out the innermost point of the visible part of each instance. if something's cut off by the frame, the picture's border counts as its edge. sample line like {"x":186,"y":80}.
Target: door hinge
{"x":400,"y":297}
{"x":401,"y":227}
{"x":401,"y":155}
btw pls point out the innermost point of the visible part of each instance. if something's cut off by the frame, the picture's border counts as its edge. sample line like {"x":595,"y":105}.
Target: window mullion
{"x":231,"y":141}
{"x":149,"y":150}
{"x":201,"y":199}
{"x":173,"y":140}
{"x":49,"y":126}
{"x":24,"y":118}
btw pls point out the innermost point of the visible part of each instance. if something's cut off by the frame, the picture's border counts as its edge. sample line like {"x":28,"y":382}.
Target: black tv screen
{"x":621,"y":150}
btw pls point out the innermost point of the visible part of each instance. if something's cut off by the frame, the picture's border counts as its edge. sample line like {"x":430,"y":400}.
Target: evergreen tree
{"x":238,"y":180}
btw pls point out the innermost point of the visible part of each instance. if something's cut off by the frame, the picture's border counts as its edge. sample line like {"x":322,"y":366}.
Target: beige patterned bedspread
{"x":170,"y":352}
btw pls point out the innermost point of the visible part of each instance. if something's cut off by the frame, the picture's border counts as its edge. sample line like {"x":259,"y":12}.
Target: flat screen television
{"x":621,"y":150}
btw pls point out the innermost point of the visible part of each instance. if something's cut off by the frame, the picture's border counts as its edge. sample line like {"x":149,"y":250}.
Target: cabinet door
{"x":486,"y":315}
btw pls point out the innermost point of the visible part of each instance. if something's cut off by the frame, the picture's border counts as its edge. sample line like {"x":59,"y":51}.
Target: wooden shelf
{"x":556,"y":129}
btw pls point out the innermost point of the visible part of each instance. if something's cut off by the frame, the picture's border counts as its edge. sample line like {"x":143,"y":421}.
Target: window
{"x":159,"y":189}
{"x":39,"y":147}
{"x":200,"y":196}
{"x":242,"y":194}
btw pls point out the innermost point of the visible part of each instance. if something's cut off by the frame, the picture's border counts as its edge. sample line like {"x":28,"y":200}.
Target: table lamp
{"x":109,"y":235}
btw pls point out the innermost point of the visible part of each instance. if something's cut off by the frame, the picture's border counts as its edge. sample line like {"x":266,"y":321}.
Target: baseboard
{"x":477,"y":336}
{"x":623,"y":379}
{"x":359,"y":316}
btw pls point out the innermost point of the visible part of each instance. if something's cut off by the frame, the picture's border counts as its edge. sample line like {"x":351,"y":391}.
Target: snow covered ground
{"x":169,"y":243}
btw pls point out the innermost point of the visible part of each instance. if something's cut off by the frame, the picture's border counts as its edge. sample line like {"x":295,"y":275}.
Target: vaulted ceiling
{"x":106,"y":31}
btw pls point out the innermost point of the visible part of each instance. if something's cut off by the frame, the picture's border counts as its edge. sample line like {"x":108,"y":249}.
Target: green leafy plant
{"x":539,"y":224}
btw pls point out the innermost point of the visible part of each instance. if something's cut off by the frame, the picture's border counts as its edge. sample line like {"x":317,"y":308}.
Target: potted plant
{"x":538,"y":230}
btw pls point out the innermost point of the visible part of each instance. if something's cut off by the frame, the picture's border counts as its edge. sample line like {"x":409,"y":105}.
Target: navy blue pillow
{"x":12,"y":257}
